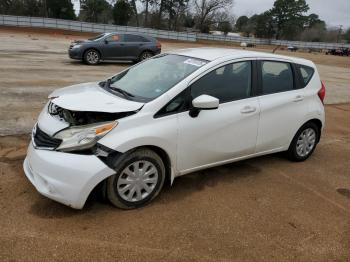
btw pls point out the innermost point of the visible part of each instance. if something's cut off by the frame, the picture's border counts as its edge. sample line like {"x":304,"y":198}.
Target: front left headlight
{"x":76,"y":46}
{"x":83,"y":137}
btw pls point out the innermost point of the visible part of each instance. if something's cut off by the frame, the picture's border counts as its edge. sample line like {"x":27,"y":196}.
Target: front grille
{"x":43,"y":140}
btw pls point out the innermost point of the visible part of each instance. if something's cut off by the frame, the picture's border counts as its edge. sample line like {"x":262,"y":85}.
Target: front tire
{"x":91,"y":57}
{"x":304,"y":142}
{"x":138,"y":180}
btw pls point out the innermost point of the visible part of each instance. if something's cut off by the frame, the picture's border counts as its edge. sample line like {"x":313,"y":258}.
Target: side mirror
{"x":203,"y":102}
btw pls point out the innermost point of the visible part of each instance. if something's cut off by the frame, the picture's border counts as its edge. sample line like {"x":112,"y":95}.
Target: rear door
{"x":282,"y":104}
{"x":134,"y":45}
{"x":225,"y":133}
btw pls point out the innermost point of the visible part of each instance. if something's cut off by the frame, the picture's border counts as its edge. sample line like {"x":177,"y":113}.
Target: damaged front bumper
{"x":64,"y":177}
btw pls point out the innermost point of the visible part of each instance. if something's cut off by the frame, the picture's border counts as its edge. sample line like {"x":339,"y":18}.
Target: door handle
{"x":248,"y":109}
{"x":298,"y":98}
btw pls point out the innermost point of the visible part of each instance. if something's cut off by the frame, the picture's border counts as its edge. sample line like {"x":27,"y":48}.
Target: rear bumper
{"x":63,"y":177}
{"x":158,"y":51}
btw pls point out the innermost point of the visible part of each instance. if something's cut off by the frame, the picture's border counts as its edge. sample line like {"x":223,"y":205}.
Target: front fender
{"x":160,"y":133}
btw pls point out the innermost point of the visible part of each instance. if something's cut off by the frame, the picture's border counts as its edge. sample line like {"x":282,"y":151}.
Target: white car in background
{"x":171,"y":115}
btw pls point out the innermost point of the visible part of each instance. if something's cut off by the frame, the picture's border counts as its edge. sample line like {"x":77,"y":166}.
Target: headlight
{"x":83,"y":137}
{"x":76,"y":46}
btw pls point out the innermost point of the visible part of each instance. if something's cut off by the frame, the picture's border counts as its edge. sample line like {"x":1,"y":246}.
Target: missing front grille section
{"x":76,"y":118}
{"x":43,"y":140}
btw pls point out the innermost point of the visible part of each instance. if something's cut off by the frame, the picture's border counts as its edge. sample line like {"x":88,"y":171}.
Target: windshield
{"x":155,"y":76}
{"x":97,"y":37}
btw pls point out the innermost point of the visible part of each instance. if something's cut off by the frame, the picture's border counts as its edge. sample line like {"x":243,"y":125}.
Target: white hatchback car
{"x":170,"y":115}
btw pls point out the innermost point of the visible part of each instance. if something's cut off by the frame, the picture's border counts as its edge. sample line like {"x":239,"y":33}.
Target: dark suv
{"x":114,"y":46}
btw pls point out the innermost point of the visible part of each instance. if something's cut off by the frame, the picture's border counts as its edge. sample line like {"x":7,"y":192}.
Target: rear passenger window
{"x":306,"y":73}
{"x":276,"y":77}
{"x":227,"y":83}
{"x":135,"y":38}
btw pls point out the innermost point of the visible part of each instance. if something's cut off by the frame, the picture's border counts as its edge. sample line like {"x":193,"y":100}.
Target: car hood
{"x":91,"y":97}
{"x":80,"y":41}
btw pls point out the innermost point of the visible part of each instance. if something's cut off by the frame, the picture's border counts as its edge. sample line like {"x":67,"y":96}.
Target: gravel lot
{"x":264,"y":209}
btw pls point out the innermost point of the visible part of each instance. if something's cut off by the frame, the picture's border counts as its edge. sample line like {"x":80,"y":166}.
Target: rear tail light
{"x":159,"y":45}
{"x":322,"y":92}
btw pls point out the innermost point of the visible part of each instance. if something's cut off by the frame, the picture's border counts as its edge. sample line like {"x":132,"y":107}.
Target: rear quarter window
{"x":306,"y":73}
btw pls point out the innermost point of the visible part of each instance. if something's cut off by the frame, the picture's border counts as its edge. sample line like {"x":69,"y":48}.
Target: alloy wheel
{"x":306,"y":142}
{"x":146,"y":55}
{"x":92,"y":57}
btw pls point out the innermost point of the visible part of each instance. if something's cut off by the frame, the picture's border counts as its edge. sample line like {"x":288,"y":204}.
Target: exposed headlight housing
{"x":76,"y":46}
{"x":83,"y":137}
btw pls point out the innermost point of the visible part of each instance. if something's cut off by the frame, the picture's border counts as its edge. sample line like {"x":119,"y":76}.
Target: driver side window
{"x":113,"y":38}
{"x":228,"y":83}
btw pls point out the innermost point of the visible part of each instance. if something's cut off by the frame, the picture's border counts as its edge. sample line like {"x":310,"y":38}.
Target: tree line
{"x":287,"y":19}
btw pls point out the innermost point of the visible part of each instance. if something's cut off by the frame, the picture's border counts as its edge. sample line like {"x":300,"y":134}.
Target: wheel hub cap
{"x":92,"y":57}
{"x":146,"y":56}
{"x":306,"y":142}
{"x":137,"y":181}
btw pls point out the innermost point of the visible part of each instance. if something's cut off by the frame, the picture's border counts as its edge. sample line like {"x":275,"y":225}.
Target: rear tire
{"x":139,"y":178}
{"x":145,"y":55}
{"x":304,"y":142}
{"x":91,"y":57}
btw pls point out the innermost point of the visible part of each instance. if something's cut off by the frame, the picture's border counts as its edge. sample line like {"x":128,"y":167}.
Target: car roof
{"x":212,"y":54}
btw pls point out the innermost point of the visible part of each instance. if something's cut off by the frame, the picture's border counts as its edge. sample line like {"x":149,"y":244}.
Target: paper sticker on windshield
{"x":194,"y":62}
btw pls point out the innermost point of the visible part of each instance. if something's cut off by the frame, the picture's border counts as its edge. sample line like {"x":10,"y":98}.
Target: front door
{"x":225,"y":133}
{"x":113,"y":47}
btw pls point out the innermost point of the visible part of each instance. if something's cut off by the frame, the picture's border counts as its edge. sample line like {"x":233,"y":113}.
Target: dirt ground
{"x":263,"y":209}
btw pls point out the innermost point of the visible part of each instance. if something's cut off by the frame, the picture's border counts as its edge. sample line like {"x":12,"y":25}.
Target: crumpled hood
{"x":91,"y":97}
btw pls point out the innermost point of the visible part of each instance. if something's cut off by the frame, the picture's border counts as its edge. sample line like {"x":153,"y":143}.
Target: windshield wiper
{"x":125,"y":93}
{"x":107,"y":84}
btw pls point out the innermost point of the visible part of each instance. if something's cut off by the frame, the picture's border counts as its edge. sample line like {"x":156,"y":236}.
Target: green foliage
{"x":287,"y":19}
{"x":288,"y":15}
{"x":264,"y":25}
{"x":241,"y":22}
{"x":172,"y":8}
{"x":62,"y":9}
{"x":122,"y":12}
{"x":22,"y":7}
{"x":225,"y":27}
{"x":313,"y":20}
{"x":96,"y":11}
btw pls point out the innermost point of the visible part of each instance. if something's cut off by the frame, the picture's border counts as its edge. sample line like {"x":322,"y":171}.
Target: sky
{"x":334,"y":12}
